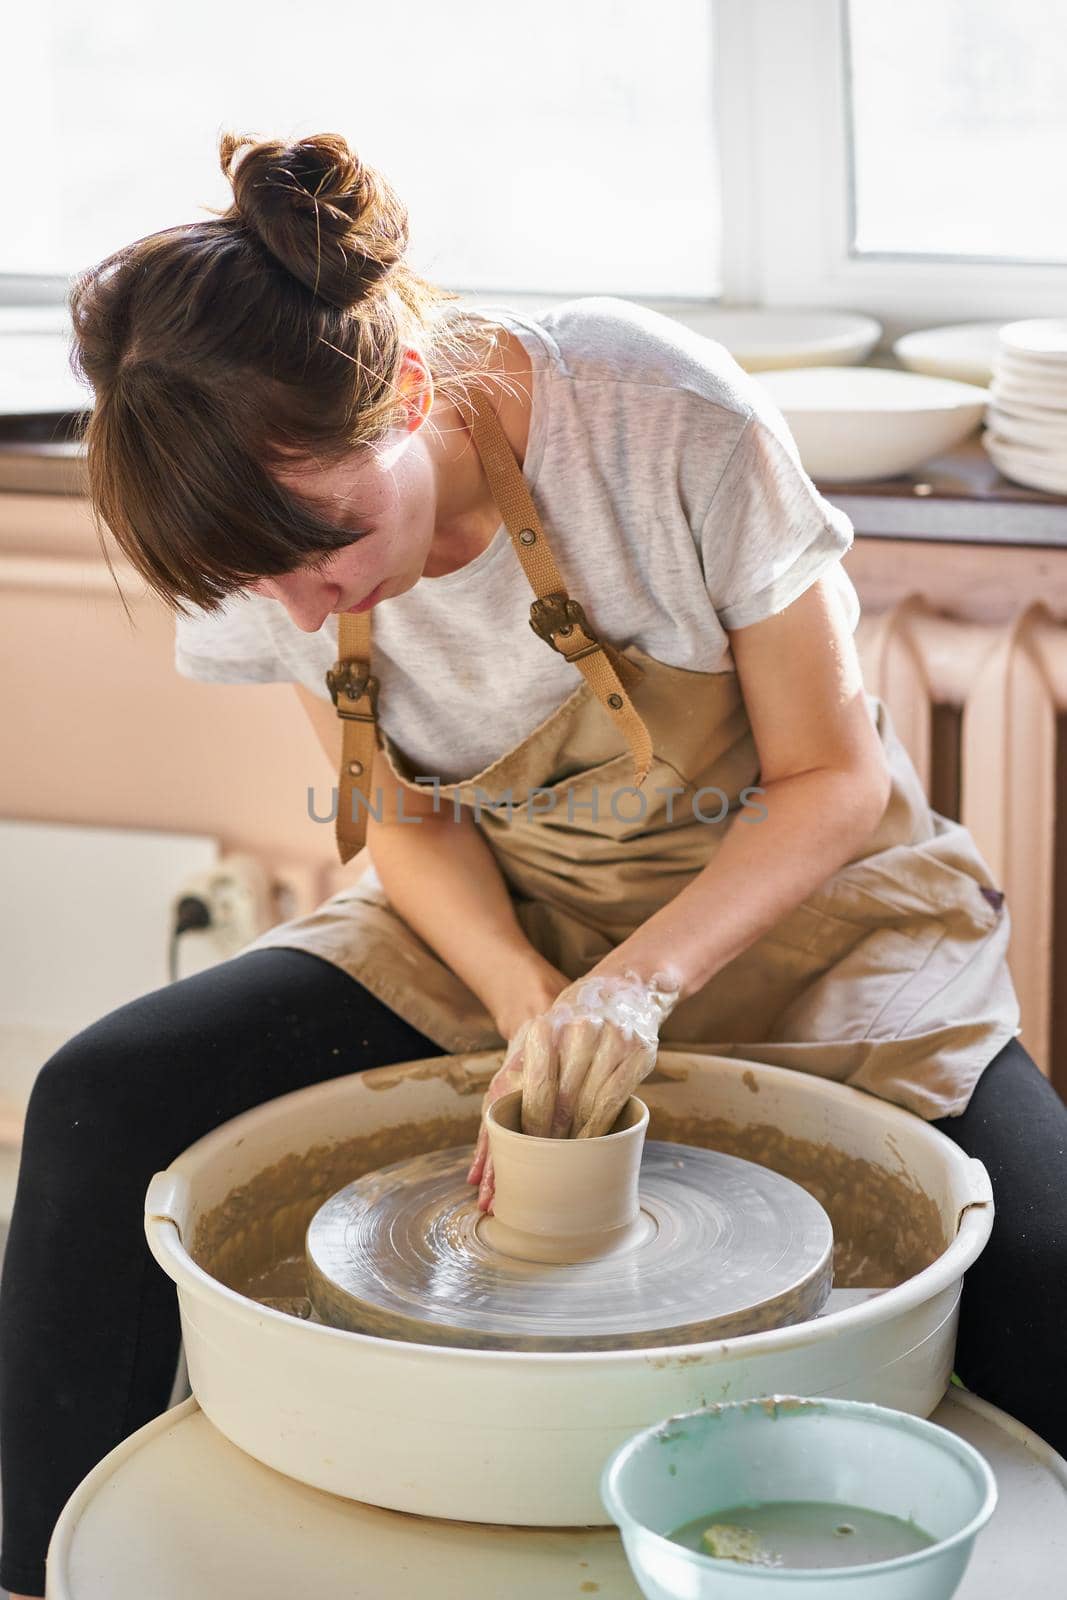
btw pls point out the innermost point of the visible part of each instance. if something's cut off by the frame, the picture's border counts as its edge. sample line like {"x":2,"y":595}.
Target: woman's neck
{"x":462,"y":533}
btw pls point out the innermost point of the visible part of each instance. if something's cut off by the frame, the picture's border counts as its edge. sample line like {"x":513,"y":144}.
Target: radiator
{"x":979,"y":705}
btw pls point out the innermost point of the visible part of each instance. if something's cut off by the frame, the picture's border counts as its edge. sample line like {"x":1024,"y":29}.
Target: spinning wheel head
{"x":719,"y":1247}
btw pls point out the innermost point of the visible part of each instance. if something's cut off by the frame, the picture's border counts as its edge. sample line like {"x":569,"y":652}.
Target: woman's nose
{"x":307,"y":599}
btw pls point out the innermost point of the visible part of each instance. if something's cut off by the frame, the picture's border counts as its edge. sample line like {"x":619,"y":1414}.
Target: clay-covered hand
{"x":580,"y":1061}
{"x":506,"y":1078}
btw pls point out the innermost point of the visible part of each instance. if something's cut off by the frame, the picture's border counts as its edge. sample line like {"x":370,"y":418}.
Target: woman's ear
{"x":416,"y":386}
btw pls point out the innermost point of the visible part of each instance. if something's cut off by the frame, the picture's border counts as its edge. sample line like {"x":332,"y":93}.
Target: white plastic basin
{"x":510,"y":1437}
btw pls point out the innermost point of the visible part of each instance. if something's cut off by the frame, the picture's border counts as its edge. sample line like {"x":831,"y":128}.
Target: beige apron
{"x":891,"y":976}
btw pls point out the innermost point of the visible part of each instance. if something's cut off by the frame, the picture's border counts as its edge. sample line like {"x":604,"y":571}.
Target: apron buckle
{"x":557,"y":613}
{"x":352,"y":680}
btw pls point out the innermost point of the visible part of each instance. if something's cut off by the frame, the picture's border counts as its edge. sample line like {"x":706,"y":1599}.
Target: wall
{"x":100,"y":728}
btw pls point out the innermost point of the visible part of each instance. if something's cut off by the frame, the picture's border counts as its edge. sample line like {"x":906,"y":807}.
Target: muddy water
{"x":885,"y":1228}
{"x":802,"y":1533}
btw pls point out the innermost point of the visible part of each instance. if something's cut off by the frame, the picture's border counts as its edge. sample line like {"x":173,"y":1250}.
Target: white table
{"x":177,"y":1510}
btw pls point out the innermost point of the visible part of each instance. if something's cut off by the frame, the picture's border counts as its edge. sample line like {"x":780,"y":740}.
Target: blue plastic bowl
{"x":787,"y":1448}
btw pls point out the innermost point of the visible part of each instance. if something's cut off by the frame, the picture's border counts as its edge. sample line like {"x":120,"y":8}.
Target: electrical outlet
{"x":239,"y":901}
{"x":237,"y":893}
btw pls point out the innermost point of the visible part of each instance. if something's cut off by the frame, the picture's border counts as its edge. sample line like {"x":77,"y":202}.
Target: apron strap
{"x":354,"y":692}
{"x":554,"y":617}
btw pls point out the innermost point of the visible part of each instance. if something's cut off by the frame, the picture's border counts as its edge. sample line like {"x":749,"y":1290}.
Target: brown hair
{"x":220,"y":349}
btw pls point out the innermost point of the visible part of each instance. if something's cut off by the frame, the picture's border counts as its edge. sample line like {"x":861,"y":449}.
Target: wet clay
{"x":885,"y":1228}
{"x":560,"y":1200}
{"x":253,"y":1234}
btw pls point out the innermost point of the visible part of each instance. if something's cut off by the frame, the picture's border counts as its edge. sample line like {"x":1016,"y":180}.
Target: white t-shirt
{"x":674,"y":501}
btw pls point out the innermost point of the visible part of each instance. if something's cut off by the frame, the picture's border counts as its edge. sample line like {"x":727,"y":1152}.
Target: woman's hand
{"x":579,"y":1061}
{"x":526,"y":1000}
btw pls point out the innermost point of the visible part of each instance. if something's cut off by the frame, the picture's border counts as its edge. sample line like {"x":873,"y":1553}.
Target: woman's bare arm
{"x":824,"y":785}
{"x":443,"y":879}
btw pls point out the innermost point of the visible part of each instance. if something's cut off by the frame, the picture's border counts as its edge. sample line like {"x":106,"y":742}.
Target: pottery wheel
{"x":722,"y":1247}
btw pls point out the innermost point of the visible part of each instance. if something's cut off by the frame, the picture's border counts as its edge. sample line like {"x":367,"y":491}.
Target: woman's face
{"x":405,"y":491}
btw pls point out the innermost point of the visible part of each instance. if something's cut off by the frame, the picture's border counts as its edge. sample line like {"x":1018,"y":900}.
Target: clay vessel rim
{"x":537,"y":1138}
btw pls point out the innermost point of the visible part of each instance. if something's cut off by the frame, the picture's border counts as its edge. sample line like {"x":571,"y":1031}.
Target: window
{"x":958,"y":127}
{"x":564,"y":149}
{"x":899,"y":157}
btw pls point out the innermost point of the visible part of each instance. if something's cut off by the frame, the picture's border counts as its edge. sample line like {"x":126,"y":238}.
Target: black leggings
{"x":89,"y":1329}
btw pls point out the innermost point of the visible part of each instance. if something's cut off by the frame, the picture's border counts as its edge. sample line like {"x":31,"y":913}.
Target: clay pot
{"x":563,"y":1199}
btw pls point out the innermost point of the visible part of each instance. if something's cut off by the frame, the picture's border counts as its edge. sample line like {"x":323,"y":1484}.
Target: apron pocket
{"x":599,"y":802}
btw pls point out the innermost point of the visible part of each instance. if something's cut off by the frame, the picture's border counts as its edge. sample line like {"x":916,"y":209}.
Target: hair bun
{"x":331,"y":221}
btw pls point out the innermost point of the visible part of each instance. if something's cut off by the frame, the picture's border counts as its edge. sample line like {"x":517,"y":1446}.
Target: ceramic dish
{"x":1036,"y":338}
{"x":1030,"y":390}
{"x":852,"y":424}
{"x":961,"y":350}
{"x":1049,"y":367}
{"x":1027,"y":467}
{"x":1038,"y":432}
{"x":1046,"y":452}
{"x":1022,"y":409}
{"x":1035,"y":420}
{"x":760,"y":339}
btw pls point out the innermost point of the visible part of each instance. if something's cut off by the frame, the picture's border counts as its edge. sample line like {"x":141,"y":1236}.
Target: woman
{"x":680,"y":790}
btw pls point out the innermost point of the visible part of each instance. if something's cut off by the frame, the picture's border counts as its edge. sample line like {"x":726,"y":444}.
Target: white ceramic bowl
{"x":832,"y":1451}
{"x":964,"y":351}
{"x":520,"y":1437}
{"x":760,"y":338}
{"x":853,"y":424}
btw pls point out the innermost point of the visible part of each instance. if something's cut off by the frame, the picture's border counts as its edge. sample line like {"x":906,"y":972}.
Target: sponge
{"x":730,"y":1543}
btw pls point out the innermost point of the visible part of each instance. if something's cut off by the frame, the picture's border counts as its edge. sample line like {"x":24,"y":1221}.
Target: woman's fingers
{"x":496,"y":1088}
{"x":575,"y":1079}
{"x":507,"y":1077}
{"x":540,"y":1078}
{"x":610,"y":1050}
{"x":615,"y":1090}
{"x":577,"y":1043}
{"x":486,"y":1187}
{"x":481,"y":1150}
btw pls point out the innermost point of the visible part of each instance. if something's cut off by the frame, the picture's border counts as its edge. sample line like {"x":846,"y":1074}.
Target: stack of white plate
{"x":1026,"y":419}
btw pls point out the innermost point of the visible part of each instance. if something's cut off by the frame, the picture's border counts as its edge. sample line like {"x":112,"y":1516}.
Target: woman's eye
{"x":317,"y":563}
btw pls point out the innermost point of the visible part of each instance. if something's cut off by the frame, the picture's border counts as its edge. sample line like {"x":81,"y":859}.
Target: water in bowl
{"x":803,"y":1533}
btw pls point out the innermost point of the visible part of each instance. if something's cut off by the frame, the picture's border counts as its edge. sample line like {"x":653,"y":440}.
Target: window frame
{"x":783,"y":67}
